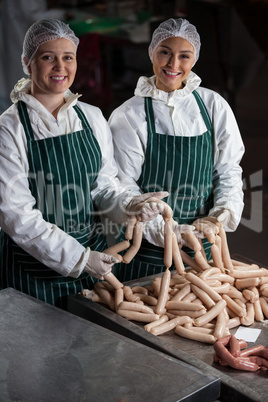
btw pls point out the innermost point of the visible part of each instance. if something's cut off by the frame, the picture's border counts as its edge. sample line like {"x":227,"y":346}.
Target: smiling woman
{"x":182,"y":138}
{"x":57,"y":174}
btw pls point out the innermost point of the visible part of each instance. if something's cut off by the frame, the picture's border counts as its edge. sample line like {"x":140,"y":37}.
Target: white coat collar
{"x":146,"y":87}
{"x":21,"y":91}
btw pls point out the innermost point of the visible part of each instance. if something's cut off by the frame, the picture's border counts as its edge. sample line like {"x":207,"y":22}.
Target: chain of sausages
{"x":201,"y":302}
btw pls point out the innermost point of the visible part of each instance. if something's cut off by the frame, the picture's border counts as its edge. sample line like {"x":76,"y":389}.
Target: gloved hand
{"x":99,"y":264}
{"x":147,"y":206}
{"x":223,"y":216}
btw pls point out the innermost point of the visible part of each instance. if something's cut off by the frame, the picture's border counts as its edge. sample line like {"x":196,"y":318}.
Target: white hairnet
{"x":175,"y":28}
{"x":43,"y":31}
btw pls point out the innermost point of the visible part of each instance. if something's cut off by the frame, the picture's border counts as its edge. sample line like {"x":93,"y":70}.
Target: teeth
{"x":58,"y":78}
{"x":170,"y":73}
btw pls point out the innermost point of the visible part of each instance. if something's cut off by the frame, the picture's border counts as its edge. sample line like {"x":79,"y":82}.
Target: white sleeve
{"x":19,"y":217}
{"x":228,"y":152}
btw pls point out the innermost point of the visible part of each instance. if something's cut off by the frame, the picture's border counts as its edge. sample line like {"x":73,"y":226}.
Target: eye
{"x":46,"y":57}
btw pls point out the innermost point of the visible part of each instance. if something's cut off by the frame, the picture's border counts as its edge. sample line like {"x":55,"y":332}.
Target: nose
{"x":58,"y":64}
{"x":173,"y":62}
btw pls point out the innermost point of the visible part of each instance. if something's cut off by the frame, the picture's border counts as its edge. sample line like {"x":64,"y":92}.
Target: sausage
{"x":167,"y":213}
{"x":125,"y":305}
{"x":249,"y":318}
{"x":118,"y":298}
{"x":202,"y":295}
{"x":176,"y":255}
{"x":260,"y":361}
{"x":130,"y":254}
{"x":251,"y":351}
{"x":251,"y":294}
{"x":262,"y":352}
{"x":238,"y":310}
{"x":216,"y":256}
{"x":190,"y":298}
{"x":264,"y":306}
{"x":223,"y":278}
{"x":117,"y":248}
{"x":105,"y":295}
{"x":182,"y":292}
{"x":168,"y":243}
{"x":200,"y":260}
{"x":226,"y":258}
{"x":209,"y":271}
{"x":139,"y":289}
{"x":189,"y":313}
{"x":137,"y":316}
{"x":130,"y":228}
{"x":113,"y":281}
{"x":233,"y":322}
{"x":212,"y":313}
{"x":152,"y":301}
{"x":220,"y":327}
{"x":163,"y":295}
{"x":128,"y":293}
{"x":253,"y":273}
{"x":224,"y":288}
{"x":194,"y":335}
{"x":148,"y":327}
{"x":202,"y":285}
{"x":137,"y":239}
{"x":234,"y":362}
{"x":236,"y":294}
{"x":190,"y":262}
{"x":169,"y":325}
{"x":180,"y":305}
{"x":258,"y":314}
{"x":192,"y":240}
{"x":234,"y":346}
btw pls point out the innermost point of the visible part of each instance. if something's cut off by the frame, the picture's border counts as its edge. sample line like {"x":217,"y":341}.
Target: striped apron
{"x":61,"y":172}
{"x":183,"y":166}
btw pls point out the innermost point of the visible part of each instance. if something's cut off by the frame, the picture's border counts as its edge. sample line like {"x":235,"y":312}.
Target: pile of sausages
{"x":201,"y":300}
{"x":232,"y":352}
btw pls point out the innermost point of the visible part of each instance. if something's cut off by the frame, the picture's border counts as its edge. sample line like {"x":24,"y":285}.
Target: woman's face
{"x":53,"y":68}
{"x":172,"y":63}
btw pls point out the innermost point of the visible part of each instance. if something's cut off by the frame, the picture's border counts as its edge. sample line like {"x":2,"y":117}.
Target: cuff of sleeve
{"x":80,"y":266}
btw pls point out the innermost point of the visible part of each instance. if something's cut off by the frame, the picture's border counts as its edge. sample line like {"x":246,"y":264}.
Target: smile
{"x":171,"y":73}
{"x":57,"y":78}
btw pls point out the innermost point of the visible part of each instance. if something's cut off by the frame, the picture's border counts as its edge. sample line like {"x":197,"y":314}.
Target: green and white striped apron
{"x":183,"y":166}
{"x":61,"y":173}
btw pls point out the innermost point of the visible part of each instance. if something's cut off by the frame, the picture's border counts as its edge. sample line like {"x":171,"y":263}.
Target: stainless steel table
{"x":51,"y":355}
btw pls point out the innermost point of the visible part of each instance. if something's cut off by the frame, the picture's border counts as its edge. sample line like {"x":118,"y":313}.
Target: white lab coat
{"x":177,"y":113}
{"x":18,"y":217}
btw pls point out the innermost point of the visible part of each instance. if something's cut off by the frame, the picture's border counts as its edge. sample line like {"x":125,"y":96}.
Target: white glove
{"x":99,"y":264}
{"x":223,"y":216}
{"x":147,"y":206}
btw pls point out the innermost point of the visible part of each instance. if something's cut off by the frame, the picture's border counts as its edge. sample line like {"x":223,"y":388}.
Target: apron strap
{"x":203,"y":110}
{"x":25,"y":120}
{"x":149,"y":114}
{"x":83,"y":118}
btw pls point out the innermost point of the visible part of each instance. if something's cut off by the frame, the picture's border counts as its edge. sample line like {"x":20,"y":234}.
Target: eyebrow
{"x":181,"y":51}
{"x":52,"y":52}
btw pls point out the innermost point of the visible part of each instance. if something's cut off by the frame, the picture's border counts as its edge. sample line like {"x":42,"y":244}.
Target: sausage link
{"x":170,"y":325}
{"x":163,"y":295}
{"x":168,"y":244}
{"x":194,"y":335}
{"x":176,"y":255}
{"x":211,"y":314}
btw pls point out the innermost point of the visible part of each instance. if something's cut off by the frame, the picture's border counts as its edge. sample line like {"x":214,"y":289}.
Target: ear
{"x":25,"y":60}
{"x":151,"y":53}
